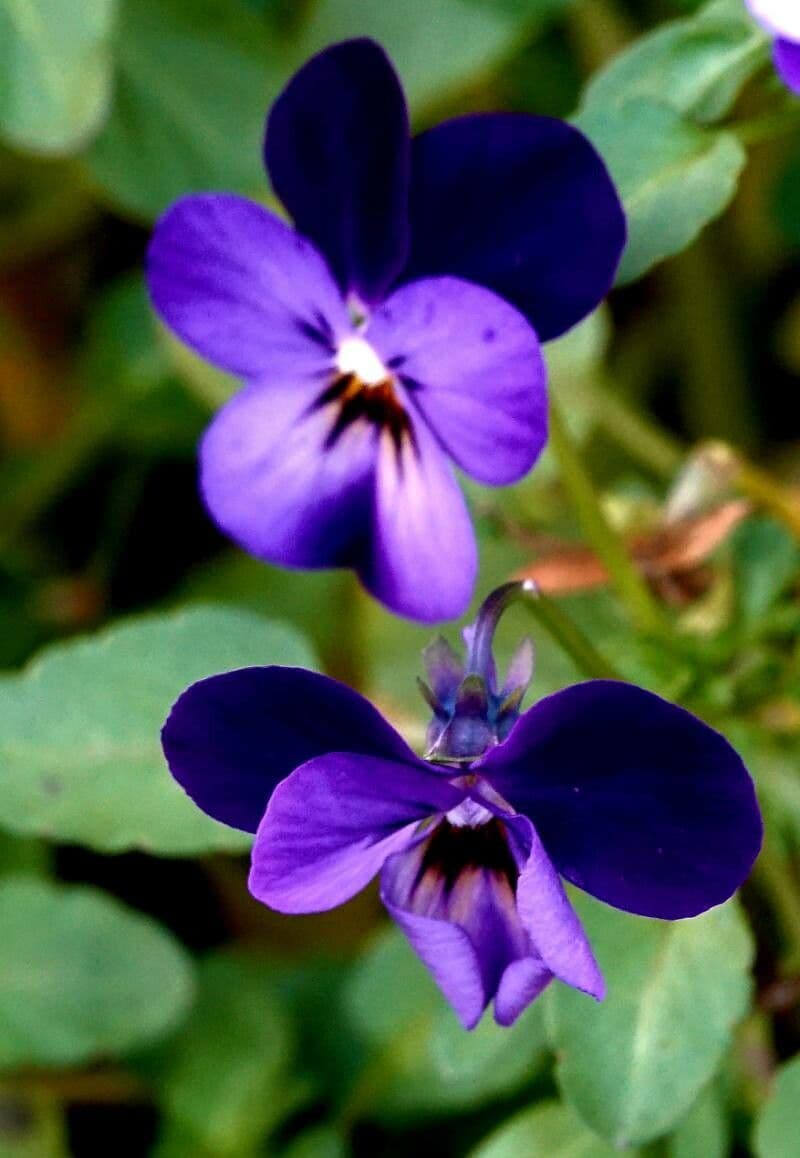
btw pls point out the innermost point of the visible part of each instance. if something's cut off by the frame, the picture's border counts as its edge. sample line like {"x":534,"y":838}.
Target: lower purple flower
{"x":781,"y":18}
{"x":624,"y":795}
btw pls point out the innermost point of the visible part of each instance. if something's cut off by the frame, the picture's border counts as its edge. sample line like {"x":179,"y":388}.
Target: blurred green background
{"x":147,"y":1005}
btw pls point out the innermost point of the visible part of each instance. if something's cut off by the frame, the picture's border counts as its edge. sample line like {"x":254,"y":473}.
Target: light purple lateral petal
{"x":780,"y":17}
{"x":424,"y":559}
{"x":330,"y":826}
{"x":231,"y":738}
{"x":272,"y":483}
{"x":243,"y":289}
{"x":520,"y":204}
{"x":635,"y":800}
{"x":472,"y":365}
{"x":337,"y":150}
{"x":787,"y":62}
{"x":523,"y":981}
{"x":550,"y":920}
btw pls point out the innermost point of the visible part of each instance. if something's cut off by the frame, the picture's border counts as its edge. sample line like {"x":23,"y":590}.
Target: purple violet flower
{"x":781,"y":18}
{"x":628,"y":797}
{"x":395,"y":334}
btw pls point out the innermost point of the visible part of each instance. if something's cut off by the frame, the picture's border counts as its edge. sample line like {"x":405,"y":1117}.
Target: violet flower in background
{"x":630,"y":798}
{"x":781,"y":18}
{"x":395,"y":334}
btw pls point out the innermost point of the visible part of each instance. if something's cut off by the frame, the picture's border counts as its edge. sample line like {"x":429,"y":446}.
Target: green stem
{"x":777,"y":881}
{"x":768,"y":126}
{"x":625,"y":576}
{"x":638,"y":435}
{"x":569,"y":636}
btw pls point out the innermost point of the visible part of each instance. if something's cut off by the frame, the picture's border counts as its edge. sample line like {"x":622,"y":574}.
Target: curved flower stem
{"x":569,"y":636}
{"x":629,"y":583}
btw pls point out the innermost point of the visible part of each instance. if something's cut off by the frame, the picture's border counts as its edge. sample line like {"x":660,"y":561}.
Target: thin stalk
{"x":776,"y":880}
{"x":769,"y":126}
{"x":625,"y":576}
{"x":569,"y":636}
{"x":638,"y":435}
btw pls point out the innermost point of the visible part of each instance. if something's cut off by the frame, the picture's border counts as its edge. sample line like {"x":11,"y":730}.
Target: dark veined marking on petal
{"x":318,"y":330}
{"x":453,"y":849}
{"x":376,"y":404}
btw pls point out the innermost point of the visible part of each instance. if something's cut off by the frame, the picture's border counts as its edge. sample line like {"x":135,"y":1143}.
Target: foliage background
{"x":147,"y":1005}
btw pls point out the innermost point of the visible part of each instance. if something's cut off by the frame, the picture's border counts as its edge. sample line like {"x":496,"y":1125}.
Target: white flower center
{"x":357,"y":357}
{"x":779,"y":16}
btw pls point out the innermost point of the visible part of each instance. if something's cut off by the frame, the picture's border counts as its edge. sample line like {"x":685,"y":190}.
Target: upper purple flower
{"x":781,"y":18}
{"x":376,"y":350}
{"x":625,"y":795}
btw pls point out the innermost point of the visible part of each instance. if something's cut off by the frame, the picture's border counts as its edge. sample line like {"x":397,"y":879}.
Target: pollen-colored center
{"x":362,"y":390}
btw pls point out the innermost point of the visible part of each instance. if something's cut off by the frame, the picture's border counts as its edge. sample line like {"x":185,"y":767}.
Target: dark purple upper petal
{"x":242,"y":289}
{"x":231,"y":738}
{"x":523,"y":205}
{"x":330,"y":826}
{"x":337,"y":151}
{"x":787,"y":62}
{"x":472,"y":366}
{"x":423,"y":558}
{"x":635,"y":800}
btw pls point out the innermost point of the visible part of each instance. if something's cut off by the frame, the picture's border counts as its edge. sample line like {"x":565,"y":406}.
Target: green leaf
{"x":633,"y":1066}
{"x":776,"y":1128}
{"x":55,"y":71}
{"x":435,"y":44}
{"x":427,"y":1063}
{"x":82,"y":976}
{"x":697,"y":66}
{"x":674,"y":177}
{"x":549,"y":1130}
{"x":224,"y":1081}
{"x":704,"y":1133}
{"x":766,"y":559}
{"x":80,"y":757}
{"x":195,"y":81}
{"x":318,"y":1142}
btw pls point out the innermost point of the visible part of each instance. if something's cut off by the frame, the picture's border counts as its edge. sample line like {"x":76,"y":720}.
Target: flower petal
{"x":787,"y":62}
{"x":635,"y":800}
{"x":230,"y":739}
{"x":522,"y":983}
{"x":472,"y":365}
{"x":423,"y":557}
{"x":330,"y":826}
{"x":550,"y":920}
{"x":274,"y":483}
{"x":780,"y":17}
{"x":523,"y":205}
{"x":242,"y":289}
{"x":452,"y":893}
{"x":337,"y":150}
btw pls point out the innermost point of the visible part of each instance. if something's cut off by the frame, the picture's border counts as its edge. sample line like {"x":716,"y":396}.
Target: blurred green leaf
{"x":81,"y":976}
{"x":318,"y":1142}
{"x":195,"y":80}
{"x":696,"y":66}
{"x":549,"y":1130}
{"x":224,"y":1082}
{"x":674,"y":177}
{"x":425,"y":1062}
{"x":435,"y":44}
{"x":704,"y":1132}
{"x":633,"y":1066}
{"x":80,"y":758}
{"x":55,"y":71}
{"x":776,"y":1134}
{"x":766,"y":558}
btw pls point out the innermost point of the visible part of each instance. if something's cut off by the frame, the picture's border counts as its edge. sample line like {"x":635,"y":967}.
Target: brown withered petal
{"x":671,"y":549}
